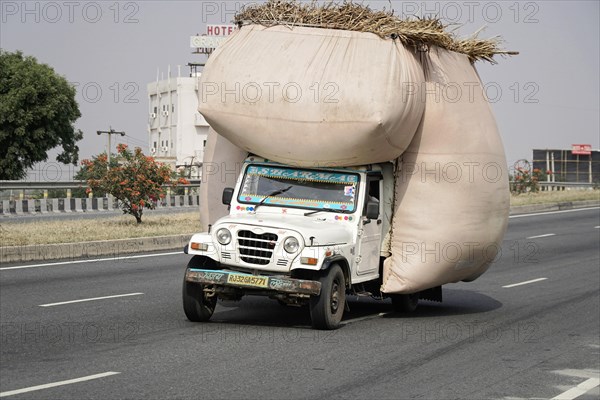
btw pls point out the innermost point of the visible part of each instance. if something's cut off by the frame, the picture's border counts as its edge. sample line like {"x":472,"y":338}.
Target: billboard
{"x":581,"y":149}
{"x":214,"y":36}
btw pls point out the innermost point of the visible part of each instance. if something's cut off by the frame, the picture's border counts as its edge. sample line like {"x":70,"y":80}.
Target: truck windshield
{"x":308,"y":189}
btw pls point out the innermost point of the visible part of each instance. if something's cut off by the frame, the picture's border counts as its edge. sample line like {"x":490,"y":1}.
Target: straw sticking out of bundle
{"x":358,"y":17}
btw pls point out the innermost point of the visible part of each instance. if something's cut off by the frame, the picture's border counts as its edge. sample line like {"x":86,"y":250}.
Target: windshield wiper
{"x":273,"y":193}
{"x":306,"y":214}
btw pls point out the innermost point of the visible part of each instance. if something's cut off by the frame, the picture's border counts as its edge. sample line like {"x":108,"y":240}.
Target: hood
{"x":323,"y":229}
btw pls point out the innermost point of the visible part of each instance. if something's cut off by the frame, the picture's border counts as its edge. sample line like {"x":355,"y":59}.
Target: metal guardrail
{"x":26,"y":185}
{"x":19,"y":204}
{"x":96,"y":204}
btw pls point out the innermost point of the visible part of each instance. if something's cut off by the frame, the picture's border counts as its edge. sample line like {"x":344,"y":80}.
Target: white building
{"x":176,"y":131}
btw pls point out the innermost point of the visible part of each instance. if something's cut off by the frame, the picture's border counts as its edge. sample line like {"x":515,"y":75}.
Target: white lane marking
{"x":349,"y":321}
{"x":553,"y":212}
{"x":597,"y":227}
{"x":90,"y":299}
{"x":61,"y":383}
{"x":578,"y":390}
{"x":525,"y":283}
{"x":542,"y":236}
{"x":91,"y":260}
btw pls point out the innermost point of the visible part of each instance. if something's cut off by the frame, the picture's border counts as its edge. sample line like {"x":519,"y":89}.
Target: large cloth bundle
{"x":451,"y":188}
{"x":452,"y":197}
{"x":313,"y":97}
{"x":221,"y":166}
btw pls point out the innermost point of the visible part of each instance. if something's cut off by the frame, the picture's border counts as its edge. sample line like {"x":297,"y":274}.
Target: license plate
{"x":248,"y":280}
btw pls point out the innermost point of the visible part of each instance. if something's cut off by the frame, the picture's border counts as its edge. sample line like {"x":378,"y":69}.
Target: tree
{"x":136,"y":180}
{"x":526,"y":180}
{"x":37,"y":113}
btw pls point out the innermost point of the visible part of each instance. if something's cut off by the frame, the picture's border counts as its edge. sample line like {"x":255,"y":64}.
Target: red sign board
{"x":582,"y":149}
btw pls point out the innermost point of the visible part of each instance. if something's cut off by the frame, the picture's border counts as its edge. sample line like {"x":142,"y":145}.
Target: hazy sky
{"x":547,"y":97}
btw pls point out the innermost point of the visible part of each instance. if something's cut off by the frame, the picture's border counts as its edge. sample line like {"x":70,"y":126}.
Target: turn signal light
{"x":199,"y":246}
{"x":309,"y":260}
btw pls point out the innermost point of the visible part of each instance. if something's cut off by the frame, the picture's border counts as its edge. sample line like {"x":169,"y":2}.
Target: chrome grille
{"x":256,"y":249}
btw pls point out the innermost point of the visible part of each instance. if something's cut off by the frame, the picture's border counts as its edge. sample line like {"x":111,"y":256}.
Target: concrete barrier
{"x":92,"y":250}
{"x":536,"y":208}
{"x":78,"y":207}
{"x":109,"y":204}
{"x":43,"y":206}
{"x":55,"y":206}
{"x":31,"y":206}
{"x":6,"y":207}
{"x":19,"y":207}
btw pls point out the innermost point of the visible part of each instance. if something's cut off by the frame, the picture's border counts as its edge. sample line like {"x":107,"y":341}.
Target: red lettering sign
{"x":220,"y":30}
{"x":582,"y":149}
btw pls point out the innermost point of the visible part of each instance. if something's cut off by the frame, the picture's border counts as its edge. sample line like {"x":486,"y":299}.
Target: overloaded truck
{"x":371,"y":162}
{"x":300,"y":236}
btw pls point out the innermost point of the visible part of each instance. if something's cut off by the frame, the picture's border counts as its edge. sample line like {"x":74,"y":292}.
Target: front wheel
{"x":327,"y":309}
{"x":196,"y":305}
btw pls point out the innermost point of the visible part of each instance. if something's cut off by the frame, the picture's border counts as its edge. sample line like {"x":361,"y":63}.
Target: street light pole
{"x":110,"y":133}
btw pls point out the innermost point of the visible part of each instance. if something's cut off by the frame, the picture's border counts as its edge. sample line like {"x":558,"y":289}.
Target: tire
{"x":197,"y":307}
{"x":327,"y":309}
{"x":405,"y":303}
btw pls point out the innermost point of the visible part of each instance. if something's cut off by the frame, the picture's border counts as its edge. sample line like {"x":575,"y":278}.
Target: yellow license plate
{"x":248,"y":280}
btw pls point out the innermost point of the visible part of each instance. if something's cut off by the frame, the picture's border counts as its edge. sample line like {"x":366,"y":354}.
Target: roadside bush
{"x":135,"y":179}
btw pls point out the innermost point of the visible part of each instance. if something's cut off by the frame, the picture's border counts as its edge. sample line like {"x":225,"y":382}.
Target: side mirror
{"x":372,"y":210}
{"x":227,"y":196}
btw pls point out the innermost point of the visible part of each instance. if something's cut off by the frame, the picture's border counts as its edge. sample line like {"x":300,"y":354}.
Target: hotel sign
{"x":214,"y":36}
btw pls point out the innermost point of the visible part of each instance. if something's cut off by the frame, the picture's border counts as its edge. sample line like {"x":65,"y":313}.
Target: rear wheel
{"x":197,"y":305}
{"x":405,"y":303}
{"x":327,"y":309}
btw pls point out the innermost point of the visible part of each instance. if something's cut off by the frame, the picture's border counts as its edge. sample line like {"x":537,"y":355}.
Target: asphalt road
{"x":488,"y":339}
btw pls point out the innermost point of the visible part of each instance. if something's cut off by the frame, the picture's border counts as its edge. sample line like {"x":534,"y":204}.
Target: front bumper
{"x":280,"y":284}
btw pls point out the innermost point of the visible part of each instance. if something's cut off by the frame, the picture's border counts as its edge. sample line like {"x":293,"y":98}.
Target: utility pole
{"x":110,"y":133}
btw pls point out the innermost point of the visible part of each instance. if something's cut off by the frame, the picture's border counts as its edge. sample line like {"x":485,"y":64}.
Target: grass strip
{"x":50,"y":231}
{"x":34,"y":232}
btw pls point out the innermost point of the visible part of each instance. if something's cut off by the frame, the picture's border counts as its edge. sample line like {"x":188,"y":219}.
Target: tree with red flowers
{"x":526,"y":180}
{"x":136,"y":180}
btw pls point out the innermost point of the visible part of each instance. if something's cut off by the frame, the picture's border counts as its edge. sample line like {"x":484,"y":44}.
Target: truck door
{"x":369,"y":238}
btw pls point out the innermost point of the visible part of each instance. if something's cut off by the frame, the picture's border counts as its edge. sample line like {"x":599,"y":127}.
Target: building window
{"x":155,"y":110}
{"x":167,"y":143}
{"x":154,"y":145}
{"x":205,"y":143}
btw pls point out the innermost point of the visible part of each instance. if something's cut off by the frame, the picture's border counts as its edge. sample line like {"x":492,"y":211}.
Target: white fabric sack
{"x":220,"y":169}
{"x":313,"y":97}
{"x":452,"y":197}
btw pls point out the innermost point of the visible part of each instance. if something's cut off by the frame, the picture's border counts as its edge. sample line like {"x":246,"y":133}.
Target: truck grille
{"x":256,"y":249}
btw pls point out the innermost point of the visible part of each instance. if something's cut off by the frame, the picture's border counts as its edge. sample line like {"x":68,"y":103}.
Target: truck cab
{"x":297,"y":235}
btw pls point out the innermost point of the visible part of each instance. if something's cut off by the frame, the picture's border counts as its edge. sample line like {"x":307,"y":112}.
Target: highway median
{"x":120,"y":237}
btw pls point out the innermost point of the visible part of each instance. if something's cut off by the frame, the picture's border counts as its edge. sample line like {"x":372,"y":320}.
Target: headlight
{"x":291,"y":244}
{"x":223,"y":236}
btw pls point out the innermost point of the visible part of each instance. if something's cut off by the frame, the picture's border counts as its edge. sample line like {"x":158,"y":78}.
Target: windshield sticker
{"x":349,"y":191}
{"x":287,"y":201}
{"x":311,"y":176}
